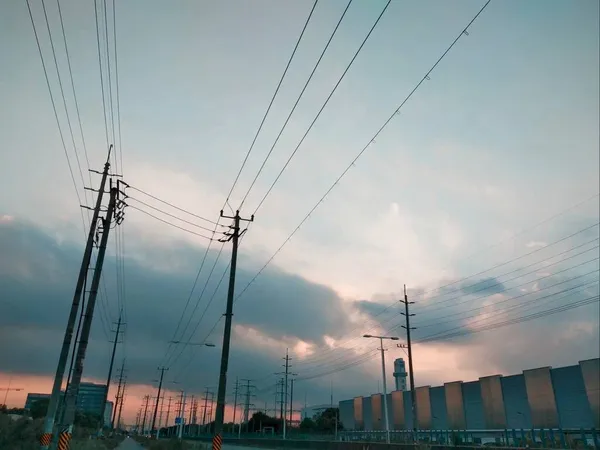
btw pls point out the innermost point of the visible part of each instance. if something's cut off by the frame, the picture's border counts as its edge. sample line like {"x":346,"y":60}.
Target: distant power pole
{"x":205,"y":407}
{"x":146,"y":401}
{"x":110,"y":369}
{"x":284,"y":391}
{"x":237,"y":386}
{"x":291,"y":401}
{"x":118,"y":397}
{"x":220,"y":412}
{"x":71,"y":395}
{"x":55,"y":397}
{"x":121,"y":403}
{"x":168,"y":411}
{"x":411,"y":373}
{"x":162,"y":373}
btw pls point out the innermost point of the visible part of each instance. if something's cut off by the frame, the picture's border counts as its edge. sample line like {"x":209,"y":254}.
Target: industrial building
{"x":542,"y":398}
{"x":89,"y":400}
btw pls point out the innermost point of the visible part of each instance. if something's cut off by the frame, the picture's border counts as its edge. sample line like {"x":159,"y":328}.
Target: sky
{"x":480,"y":195}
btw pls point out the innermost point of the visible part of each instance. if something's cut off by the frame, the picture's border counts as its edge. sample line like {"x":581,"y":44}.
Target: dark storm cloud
{"x":489,"y":285}
{"x":37,"y":277}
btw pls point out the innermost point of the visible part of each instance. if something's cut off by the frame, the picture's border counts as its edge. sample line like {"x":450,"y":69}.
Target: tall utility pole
{"x":118,"y":397}
{"x":110,"y":369}
{"x":121,"y":403}
{"x":205,"y":407}
{"x":181,"y":415}
{"x":291,"y":401}
{"x":192,"y":406}
{"x":220,"y":413}
{"x":162,"y":373}
{"x":284,"y":391}
{"x":235,"y":396}
{"x":64,"y":352}
{"x":411,"y":372}
{"x":162,"y":408}
{"x":146,"y":401}
{"x":168,"y":411}
{"x":71,"y":395}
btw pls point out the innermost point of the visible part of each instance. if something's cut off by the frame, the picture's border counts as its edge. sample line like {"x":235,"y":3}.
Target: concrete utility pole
{"x":110,"y":369}
{"x":55,"y":397}
{"x":162,"y":408}
{"x":205,"y":409}
{"x":284,"y":391}
{"x":118,"y":396}
{"x":121,"y":402}
{"x":168,"y":411}
{"x":411,"y":372}
{"x":181,"y":415}
{"x":237,"y":386}
{"x":162,"y":373}
{"x":146,"y":401}
{"x":71,"y":395}
{"x":220,"y":412}
{"x":291,"y":401}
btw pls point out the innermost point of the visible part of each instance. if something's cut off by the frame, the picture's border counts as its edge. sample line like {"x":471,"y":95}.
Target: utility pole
{"x":168,"y":411}
{"x":162,"y":373}
{"x":71,"y":395}
{"x":284,"y":391}
{"x":118,"y":396}
{"x":162,"y":408}
{"x":205,"y":407}
{"x":110,"y":369}
{"x":146,"y":401}
{"x":237,"y":386}
{"x":291,"y":402}
{"x":55,"y":397}
{"x":220,"y":413}
{"x":121,"y":403}
{"x":181,"y":415}
{"x":192,"y":406}
{"x":411,"y":373}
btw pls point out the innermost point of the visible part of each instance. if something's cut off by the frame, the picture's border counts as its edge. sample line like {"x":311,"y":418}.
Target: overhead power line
{"x":172,"y":205}
{"x":169,"y":214}
{"x":460,"y":281}
{"x":298,"y":101}
{"x":217,"y":224}
{"x":322,"y":107}
{"x":170,"y":223}
{"x":262,"y":122}
{"x":385,"y":124}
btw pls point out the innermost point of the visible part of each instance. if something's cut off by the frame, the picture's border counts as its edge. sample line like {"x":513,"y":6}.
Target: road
{"x":129,"y":444}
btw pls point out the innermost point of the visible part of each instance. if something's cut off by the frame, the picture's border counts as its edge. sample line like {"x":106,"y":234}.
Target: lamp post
{"x":205,"y":344}
{"x":385,"y":405}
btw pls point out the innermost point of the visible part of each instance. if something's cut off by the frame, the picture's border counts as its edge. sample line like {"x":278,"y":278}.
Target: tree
{"x":326,"y":420}
{"x":307,"y":425}
{"x":39,"y":408}
{"x":260,"y":420}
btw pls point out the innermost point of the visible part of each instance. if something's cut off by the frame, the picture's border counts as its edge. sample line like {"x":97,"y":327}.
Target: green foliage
{"x":260,"y":420}
{"x":39,"y":408}
{"x":87,"y":420}
{"x":21,"y":434}
{"x":307,"y":425}
{"x":326,"y":420}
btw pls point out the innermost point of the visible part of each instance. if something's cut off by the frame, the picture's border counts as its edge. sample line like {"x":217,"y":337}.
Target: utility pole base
{"x":64,"y":440}
{"x":217,"y":442}
{"x":45,"y":440}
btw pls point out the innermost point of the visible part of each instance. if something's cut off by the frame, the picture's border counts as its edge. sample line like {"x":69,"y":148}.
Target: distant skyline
{"x":481,"y":195}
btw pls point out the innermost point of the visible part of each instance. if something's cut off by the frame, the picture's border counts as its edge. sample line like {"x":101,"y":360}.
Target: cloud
{"x":280,"y":310}
{"x":532,"y":244}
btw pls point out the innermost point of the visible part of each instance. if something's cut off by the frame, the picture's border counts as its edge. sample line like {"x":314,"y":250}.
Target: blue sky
{"x":504,"y":135}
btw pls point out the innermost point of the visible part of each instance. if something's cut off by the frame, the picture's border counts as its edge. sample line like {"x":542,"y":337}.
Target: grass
{"x":24,"y":434}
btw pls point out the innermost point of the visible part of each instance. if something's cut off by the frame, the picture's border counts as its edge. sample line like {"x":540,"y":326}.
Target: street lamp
{"x":385,"y":405}
{"x":204,"y":344}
